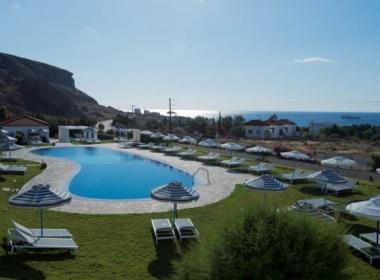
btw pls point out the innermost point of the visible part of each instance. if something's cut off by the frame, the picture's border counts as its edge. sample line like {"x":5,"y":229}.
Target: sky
{"x":295,"y":55}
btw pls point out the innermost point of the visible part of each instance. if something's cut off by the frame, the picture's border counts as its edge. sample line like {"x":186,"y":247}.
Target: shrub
{"x":104,"y":136}
{"x":375,"y":162}
{"x":263,"y":243}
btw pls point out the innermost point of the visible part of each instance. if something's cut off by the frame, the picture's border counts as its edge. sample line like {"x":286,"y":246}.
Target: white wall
{"x":274,"y":130}
{"x":63,"y":134}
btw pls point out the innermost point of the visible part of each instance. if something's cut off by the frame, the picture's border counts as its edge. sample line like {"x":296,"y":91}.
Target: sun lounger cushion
{"x":27,"y":238}
{"x":371,"y":236}
{"x":184,"y":223}
{"x":22,"y":229}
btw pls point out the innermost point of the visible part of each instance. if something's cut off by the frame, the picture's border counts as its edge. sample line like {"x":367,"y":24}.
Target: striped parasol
{"x":188,"y":139}
{"x":328,"y":176}
{"x":208,"y":143}
{"x":157,"y":135}
{"x":259,"y":150}
{"x":369,"y":209}
{"x":40,"y":197}
{"x":266,"y":183}
{"x":174,"y":192}
{"x":295,"y":155}
{"x":170,"y":137}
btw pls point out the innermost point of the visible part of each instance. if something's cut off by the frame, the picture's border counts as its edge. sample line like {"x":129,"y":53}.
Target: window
{"x":250,"y":131}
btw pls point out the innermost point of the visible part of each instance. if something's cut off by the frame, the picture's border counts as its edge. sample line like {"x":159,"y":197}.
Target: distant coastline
{"x":300,"y":118}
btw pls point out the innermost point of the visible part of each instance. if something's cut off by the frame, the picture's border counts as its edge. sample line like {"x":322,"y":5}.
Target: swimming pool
{"x":110,"y":174}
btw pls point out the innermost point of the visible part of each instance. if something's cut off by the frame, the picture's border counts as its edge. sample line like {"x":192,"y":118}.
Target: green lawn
{"x":122,"y":247}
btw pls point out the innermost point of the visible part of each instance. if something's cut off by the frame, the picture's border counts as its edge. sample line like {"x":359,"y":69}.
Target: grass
{"x":122,"y":247}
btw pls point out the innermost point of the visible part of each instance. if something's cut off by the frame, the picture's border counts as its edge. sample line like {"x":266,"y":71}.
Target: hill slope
{"x":31,"y":87}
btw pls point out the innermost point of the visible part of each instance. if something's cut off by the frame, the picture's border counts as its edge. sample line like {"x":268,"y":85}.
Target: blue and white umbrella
{"x":369,"y":209}
{"x":157,"y":135}
{"x":170,"y":137}
{"x":295,"y":155}
{"x":266,"y":183}
{"x":174,"y":192}
{"x":40,"y":197}
{"x":259,"y":150}
{"x":208,"y":143}
{"x":146,"y":132}
{"x":231,"y":146}
{"x":188,"y":139}
{"x":339,"y":162}
{"x":7,"y":143}
{"x":327,"y":176}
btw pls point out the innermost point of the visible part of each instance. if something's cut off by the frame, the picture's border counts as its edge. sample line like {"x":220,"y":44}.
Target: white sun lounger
{"x":47,"y":232}
{"x":162,"y":230}
{"x":19,"y":241}
{"x":186,"y":229}
{"x":363,"y":247}
{"x":12,"y":169}
{"x":371,"y":236}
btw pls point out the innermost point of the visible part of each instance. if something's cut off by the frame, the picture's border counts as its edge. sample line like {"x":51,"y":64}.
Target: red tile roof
{"x":24,"y":121}
{"x":269,"y":122}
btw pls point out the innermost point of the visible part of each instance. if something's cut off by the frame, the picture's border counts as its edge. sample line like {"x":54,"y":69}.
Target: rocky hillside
{"x":31,"y":87}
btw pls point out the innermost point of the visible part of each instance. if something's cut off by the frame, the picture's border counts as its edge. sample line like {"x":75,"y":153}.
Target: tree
{"x":375,"y":162}
{"x":101,"y":126}
{"x":4,"y":113}
{"x":227,"y":123}
{"x":263,"y":243}
{"x":273,"y":117}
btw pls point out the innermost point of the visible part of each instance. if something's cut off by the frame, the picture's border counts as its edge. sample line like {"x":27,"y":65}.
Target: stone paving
{"x":60,"y":172}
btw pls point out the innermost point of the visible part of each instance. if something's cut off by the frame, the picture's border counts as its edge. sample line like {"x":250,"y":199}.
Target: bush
{"x":266,"y":244}
{"x":104,"y":136}
{"x":375,"y":162}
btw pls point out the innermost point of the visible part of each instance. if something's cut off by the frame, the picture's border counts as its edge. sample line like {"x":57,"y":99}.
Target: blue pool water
{"x":109,"y":174}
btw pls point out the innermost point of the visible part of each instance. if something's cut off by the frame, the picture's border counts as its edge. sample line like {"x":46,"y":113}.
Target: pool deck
{"x":60,"y":172}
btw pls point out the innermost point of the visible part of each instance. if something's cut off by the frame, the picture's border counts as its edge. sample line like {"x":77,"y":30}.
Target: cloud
{"x":199,"y":1}
{"x":14,"y":6}
{"x":90,"y":31}
{"x":314,"y":59}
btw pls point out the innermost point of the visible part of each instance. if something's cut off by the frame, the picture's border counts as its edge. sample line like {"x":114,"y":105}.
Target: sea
{"x":300,"y":118}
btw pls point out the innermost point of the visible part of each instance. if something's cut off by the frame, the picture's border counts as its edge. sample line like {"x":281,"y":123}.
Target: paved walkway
{"x":60,"y":172}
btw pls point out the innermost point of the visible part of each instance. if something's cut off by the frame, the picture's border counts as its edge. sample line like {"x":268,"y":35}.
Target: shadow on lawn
{"x":162,"y":266}
{"x":15,"y":267}
{"x":310,"y":190}
{"x":357,"y":229}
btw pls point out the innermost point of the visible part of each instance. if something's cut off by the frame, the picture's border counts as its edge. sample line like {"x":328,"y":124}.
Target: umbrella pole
{"x":41,"y":222}
{"x":174,"y":212}
{"x":294,"y":168}
{"x":377,"y":233}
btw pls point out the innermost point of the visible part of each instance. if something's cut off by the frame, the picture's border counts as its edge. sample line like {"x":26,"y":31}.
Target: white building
{"x":31,"y":130}
{"x":315,"y":127}
{"x":137,"y":111}
{"x":270,"y":128}
{"x":88,"y":134}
